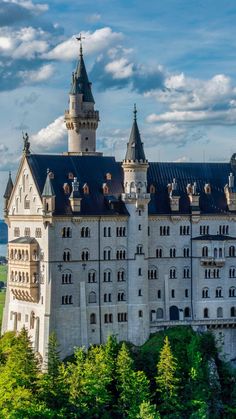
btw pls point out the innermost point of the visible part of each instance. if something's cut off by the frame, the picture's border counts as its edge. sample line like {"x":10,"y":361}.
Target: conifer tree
{"x":148,"y":411}
{"x":132,"y":386}
{"x":166,"y":379}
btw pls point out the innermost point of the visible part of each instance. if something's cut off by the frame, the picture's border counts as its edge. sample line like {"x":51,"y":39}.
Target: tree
{"x":166,"y":379}
{"x":132,"y":386}
{"x":148,"y":411}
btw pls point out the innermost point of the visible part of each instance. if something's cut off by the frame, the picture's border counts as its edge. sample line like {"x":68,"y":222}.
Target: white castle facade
{"x":97,"y":247}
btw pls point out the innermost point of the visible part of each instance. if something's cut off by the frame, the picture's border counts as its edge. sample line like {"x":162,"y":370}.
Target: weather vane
{"x":135,"y":112}
{"x":79,"y":38}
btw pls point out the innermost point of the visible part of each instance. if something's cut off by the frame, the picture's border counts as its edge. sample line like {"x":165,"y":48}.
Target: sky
{"x":174,"y":58}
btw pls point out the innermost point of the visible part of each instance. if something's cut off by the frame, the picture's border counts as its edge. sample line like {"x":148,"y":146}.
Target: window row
{"x":23,"y":255}
{"x":219,"y":312}
{"x":107,"y":297}
{"x":23,"y":277}
{"x":172,"y":252}
{"x":212,"y":273}
{"x":66,"y":299}
{"x":27,"y":232}
{"x":218,"y":292}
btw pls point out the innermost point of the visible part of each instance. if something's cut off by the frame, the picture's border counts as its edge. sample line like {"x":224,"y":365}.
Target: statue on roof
{"x":26,"y":148}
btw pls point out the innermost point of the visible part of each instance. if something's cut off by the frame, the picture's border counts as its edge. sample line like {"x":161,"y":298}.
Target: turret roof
{"x":9,"y":187}
{"x":80,"y":81}
{"x":135,"y":146}
{"x":48,"y":187}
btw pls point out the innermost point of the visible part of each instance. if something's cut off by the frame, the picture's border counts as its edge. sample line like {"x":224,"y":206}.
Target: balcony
{"x":211,"y":261}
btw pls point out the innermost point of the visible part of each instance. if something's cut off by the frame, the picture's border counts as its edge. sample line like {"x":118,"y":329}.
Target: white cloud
{"x":210,"y":101}
{"x":42,"y":74}
{"x":52,"y":137}
{"x":96,"y":41}
{"x":28,"y":4}
{"x":120,"y":69}
{"x":25,"y":43}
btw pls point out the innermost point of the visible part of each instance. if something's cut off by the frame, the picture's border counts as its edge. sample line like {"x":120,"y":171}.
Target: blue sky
{"x":174,"y":58}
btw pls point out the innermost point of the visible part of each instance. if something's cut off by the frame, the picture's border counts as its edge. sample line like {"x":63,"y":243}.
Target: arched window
{"x":93,"y":318}
{"x":107,"y":253}
{"x":186,"y":252}
{"x":186,"y":273}
{"x":172,"y":252}
{"x":205,"y":293}
{"x":233,"y":312}
{"x":159,"y":252}
{"x":232,"y":292}
{"x":85,"y":232}
{"x":215,"y":252}
{"x":205,"y":313}
{"x":121,"y":296}
{"x":107,"y":276}
{"x":66,"y":255}
{"x":32,"y":319}
{"x":139,"y":249}
{"x":120,"y":254}
{"x":92,"y":298}
{"x":172,"y":273}
{"x":205,"y":251}
{"x":231,"y":251}
{"x":160,"y":313}
{"x":219,"y":312}
{"x":219,"y":292}
{"x":85,"y":254}
{"x":232,"y":272}
{"x":121,"y":275}
{"x":152,"y":273}
{"x":91,"y":276}
{"x":86,"y":189}
{"x":187,"y":312}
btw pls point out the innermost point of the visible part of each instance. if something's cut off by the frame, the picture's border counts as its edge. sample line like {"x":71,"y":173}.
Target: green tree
{"x":89,"y":380}
{"x":148,"y":411}
{"x":18,"y":381}
{"x":52,"y":389}
{"x":132,"y":386}
{"x":167,"y":380}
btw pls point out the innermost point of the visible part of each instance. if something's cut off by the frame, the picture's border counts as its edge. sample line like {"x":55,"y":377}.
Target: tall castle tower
{"x":81,"y":118}
{"x":136,"y":200}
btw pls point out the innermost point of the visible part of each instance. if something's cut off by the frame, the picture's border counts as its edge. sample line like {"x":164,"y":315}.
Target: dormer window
{"x":70,"y":175}
{"x":105,"y":188}
{"x":86,"y":189}
{"x":108,"y":176}
{"x":66,"y":188}
{"x":207,"y":188}
{"x":152,"y":189}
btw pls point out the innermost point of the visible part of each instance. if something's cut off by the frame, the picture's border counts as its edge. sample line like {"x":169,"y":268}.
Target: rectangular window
{"x":172,"y":293}
{"x":27,"y":232}
{"x":16,"y":232}
{"x":122,"y":317}
{"x":38,"y":233}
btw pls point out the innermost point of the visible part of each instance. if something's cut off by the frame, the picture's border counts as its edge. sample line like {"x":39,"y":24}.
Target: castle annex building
{"x":100,"y":247}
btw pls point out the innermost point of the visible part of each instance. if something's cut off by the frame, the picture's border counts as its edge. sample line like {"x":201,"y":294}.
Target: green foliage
{"x":166,"y":379}
{"x":188,"y":381}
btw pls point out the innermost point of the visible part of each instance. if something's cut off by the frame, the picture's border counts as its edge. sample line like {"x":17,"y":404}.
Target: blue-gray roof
{"x":93,"y":169}
{"x":9,"y":188}
{"x":135,"y":146}
{"x":80,"y":82}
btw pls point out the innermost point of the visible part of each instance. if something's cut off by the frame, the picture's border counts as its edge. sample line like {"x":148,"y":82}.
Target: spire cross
{"x":135,"y":112}
{"x":79,"y":38}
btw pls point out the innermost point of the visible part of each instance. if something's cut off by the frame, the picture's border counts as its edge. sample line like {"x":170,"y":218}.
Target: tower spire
{"x":81,"y":118}
{"x":135,"y":151}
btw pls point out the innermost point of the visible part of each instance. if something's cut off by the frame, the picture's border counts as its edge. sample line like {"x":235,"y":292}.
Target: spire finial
{"x":79,"y":38}
{"x":135,"y":112}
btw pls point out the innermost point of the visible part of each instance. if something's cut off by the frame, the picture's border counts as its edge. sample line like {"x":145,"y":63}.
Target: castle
{"x":98,"y":247}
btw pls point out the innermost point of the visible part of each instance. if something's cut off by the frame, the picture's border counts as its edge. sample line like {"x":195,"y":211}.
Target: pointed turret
{"x":135,"y":150}
{"x":81,"y":118}
{"x":80,"y":82}
{"x":48,"y":194}
{"x":7,"y":193}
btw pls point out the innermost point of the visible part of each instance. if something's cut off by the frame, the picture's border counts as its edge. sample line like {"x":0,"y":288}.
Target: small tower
{"x":81,"y":118}
{"x":75,"y":198}
{"x":48,"y":195}
{"x":174,"y":196}
{"x":136,"y":200}
{"x":7,"y":194}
